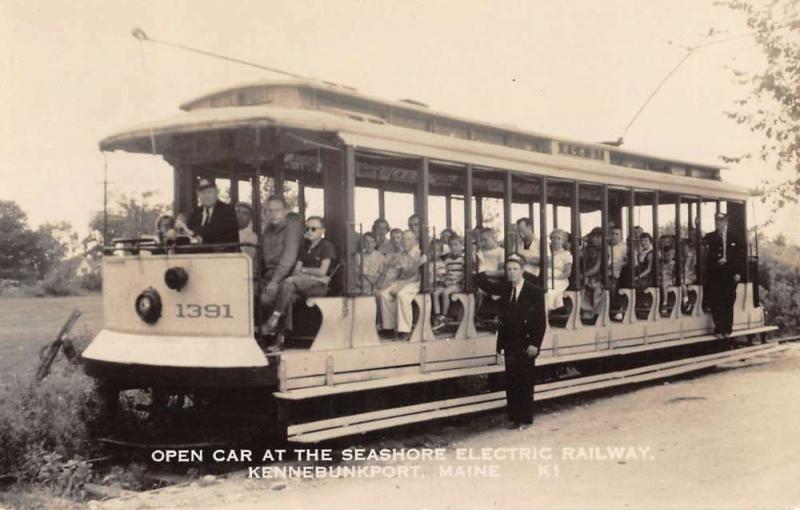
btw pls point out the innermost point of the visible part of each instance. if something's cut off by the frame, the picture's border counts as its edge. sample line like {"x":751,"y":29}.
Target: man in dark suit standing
{"x":725,"y":262}
{"x":214,"y":221}
{"x":523,"y":321}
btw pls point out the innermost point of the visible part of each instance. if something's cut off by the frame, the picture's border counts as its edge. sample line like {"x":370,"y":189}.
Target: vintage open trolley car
{"x":332,"y":147}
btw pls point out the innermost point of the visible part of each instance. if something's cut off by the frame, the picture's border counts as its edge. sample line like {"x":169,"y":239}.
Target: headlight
{"x":176,"y":278}
{"x":148,"y":306}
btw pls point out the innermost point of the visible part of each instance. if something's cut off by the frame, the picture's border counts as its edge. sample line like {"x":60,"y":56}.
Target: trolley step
{"x":437,"y":375}
{"x":316,"y":431}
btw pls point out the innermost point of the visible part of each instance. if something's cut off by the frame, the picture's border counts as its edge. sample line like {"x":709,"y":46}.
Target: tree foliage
{"x":779,"y":273}
{"x":773,"y":106}
{"x":26,"y":254}
{"x":128,"y":216}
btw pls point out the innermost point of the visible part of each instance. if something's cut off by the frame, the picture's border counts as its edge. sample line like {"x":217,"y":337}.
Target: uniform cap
{"x":204,"y":183}
{"x":515,"y":257}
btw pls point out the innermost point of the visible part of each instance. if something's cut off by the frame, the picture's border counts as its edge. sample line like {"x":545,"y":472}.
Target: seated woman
{"x":644,"y":274}
{"x":667,"y":271}
{"x":592,"y":279}
{"x":559,"y":267}
{"x":689,"y":275}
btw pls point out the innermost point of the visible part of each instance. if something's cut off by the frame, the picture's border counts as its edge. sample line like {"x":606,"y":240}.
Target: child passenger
{"x":453,"y":281}
{"x":371,"y":262}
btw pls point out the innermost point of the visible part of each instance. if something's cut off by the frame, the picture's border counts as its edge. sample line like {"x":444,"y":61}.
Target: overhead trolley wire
{"x":140,"y":34}
{"x":690,"y":50}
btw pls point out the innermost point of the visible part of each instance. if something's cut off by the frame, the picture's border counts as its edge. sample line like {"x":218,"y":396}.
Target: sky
{"x":73,"y":74}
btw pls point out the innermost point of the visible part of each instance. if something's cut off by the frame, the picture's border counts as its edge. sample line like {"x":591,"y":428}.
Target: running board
{"x":438,"y":375}
{"x":316,"y":431}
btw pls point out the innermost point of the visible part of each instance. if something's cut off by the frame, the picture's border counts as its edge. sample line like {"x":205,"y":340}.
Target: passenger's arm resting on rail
{"x":294,"y":234}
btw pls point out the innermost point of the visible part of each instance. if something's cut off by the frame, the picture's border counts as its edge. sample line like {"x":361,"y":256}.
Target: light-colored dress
{"x":493,"y":260}
{"x":557,"y":278}
{"x":372,"y":271}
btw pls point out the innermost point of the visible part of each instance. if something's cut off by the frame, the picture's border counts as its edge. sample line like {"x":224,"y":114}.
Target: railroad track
{"x":322,"y":430}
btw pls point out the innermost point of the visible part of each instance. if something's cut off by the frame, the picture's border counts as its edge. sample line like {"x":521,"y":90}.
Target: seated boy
{"x":310,"y":277}
{"x":453,"y":281}
{"x":371,"y":263}
{"x":491,"y":258}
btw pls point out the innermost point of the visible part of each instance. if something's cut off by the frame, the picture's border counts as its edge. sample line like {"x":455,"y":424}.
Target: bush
{"x":61,"y":281}
{"x":43,"y":429}
{"x":779,"y":270}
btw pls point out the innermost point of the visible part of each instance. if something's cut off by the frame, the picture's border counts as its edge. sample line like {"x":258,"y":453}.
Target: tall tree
{"x":18,"y":244}
{"x":55,"y":241}
{"x":773,"y":106}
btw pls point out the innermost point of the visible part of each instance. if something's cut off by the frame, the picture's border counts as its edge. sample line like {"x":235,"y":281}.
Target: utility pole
{"x":105,"y":200}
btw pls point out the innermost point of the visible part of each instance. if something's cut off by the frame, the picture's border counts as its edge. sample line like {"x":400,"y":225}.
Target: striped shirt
{"x":455,"y":270}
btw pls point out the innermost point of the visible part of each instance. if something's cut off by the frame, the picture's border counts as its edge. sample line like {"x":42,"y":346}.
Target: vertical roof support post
{"x":234,"y":184}
{"x":699,"y":263}
{"x":543,"y":229}
{"x":576,"y":235}
{"x":605,"y":242}
{"x":448,"y":213}
{"x":278,"y":174}
{"x":423,"y":183}
{"x":381,"y":203}
{"x":656,"y":242}
{"x":183,"y":188}
{"x":633,"y":259}
{"x":338,"y":178}
{"x":508,"y":196}
{"x":301,"y":198}
{"x":255,"y":191}
{"x":478,"y":211}
{"x":468,"y":237}
{"x":530,"y":215}
{"x":348,"y":212}
{"x":678,"y":273}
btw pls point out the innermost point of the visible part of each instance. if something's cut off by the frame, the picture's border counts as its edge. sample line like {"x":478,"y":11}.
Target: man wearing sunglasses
{"x":310,"y":278}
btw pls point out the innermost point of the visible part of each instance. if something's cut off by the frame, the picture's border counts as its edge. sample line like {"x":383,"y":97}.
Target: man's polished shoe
{"x":514,"y":425}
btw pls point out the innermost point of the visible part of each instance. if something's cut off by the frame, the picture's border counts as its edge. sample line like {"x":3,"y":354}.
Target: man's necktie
{"x":205,"y":217}
{"x":514,"y":296}
{"x":725,"y":245}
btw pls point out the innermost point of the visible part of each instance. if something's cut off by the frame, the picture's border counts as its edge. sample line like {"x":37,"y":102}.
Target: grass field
{"x":26,"y":324}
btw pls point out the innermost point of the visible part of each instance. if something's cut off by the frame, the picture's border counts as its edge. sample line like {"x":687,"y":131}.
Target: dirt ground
{"x":724,"y":439}
{"x":26,"y":324}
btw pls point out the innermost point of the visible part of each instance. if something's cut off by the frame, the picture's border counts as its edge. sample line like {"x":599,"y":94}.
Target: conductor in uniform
{"x":214,"y":221}
{"x":725,"y":262}
{"x":522,"y":326}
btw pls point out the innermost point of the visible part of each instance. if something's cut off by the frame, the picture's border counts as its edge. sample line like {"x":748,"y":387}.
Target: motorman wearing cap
{"x":725,"y":263}
{"x":522,"y":326}
{"x":214,"y":222}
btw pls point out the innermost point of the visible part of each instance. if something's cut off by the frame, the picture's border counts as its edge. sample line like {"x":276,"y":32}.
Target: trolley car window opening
{"x":367,"y":208}
{"x":291,"y":192}
{"x":400,"y":208}
{"x":457,"y":214}
{"x":315,"y":201}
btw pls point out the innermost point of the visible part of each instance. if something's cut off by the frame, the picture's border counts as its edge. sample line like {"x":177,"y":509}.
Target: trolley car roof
{"x":366,"y":131}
